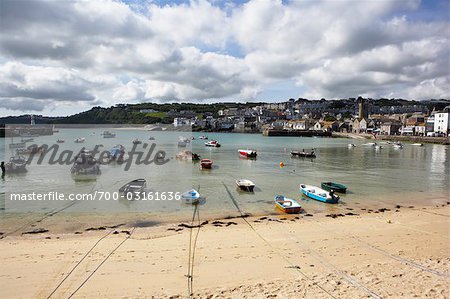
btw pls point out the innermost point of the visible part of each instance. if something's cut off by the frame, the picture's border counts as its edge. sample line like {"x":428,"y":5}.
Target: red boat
{"x":247,"y":153}
{"x":206,"y":164}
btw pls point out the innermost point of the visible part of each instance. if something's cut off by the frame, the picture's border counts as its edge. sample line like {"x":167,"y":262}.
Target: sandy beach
{"x":395,"y":253}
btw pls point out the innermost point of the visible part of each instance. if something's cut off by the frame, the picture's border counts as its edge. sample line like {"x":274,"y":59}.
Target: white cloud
{"x":106,"y":51}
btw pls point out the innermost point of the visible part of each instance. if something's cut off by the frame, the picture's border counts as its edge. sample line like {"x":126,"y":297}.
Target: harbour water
{"x":414,"y":175}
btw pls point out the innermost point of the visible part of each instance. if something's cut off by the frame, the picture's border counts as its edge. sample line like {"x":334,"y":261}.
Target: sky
{"x":62,"y":57}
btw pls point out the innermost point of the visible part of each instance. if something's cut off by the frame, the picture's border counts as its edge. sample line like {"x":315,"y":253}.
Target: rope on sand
{"x":192,"y":247}
{"x":291,"y":266}
{"x":395,"y":257}
{"x":104,"y":260}
{"x":79,"y":262}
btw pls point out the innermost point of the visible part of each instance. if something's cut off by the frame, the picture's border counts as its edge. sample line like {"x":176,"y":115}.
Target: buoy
{"x":281,"y":164}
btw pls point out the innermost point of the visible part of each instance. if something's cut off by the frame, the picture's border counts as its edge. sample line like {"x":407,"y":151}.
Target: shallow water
{"x":408,"y":176}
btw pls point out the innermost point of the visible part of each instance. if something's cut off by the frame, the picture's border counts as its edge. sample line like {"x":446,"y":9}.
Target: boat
{"x":16,"y":164}
{"x":191,"y":196}
{"x":245,"y":185}
{"x":206,"y":164}
{"x":184,"y":155}
{"x":17,"y":145}
{"x":334,"y":186}
{"x":247,"y":153}
{"x":398,"y":146}
{"x":417,"y":144}
{"x":133,"y":189}
{"x":80,"y":140}
{"x":30,"y":150}
{"x":85,"y":167}
{"x":203,"y":137}
{"x":108,"y":134}
{"x":303,"y":154}
{"x":319,"y":194}
{"x":212,"y":143}
{"x":182,"y":142}
{"x":151,"y":138}
{"x":378,"y":147}
{"x":351,"y":145}
{"x":137,"y":141}
{"x":60,"y":140}
{"x":117,"y":153}
{"x":27,"y":139}
{"x":195,"y":157}
{"x":287,"y":205}
{"x":192,"y":138}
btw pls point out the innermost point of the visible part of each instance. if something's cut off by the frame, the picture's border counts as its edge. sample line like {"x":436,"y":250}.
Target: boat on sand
{"x":287,"y":205}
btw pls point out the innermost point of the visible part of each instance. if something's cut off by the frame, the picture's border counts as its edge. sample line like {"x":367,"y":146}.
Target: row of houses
{"x":254,"y":119}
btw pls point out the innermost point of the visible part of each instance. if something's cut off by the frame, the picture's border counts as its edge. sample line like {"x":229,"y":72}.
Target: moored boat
{"x":80,"y":140}
{"x":245,"y":185}
{"x":108,"y":134}
{"x":351,"y":145}
{"x":206,"y":164}
{"x":287,"y":205}
{"x":417,"y":144}
{"x":334,"y":186}
{"x":191,"y":196}
{"x":133,"y":189}
{"x":85,"y":167}
{"x":248,"y":153}
{"x":303,"y":154}
{"x":117,"y":153}
{"x":212,"y":143}
{"x":137,"y":141}
{"x":203,"y":137}
{"x":60,"y":140}
{"x":195,"y":157}
{"x":16,"y":164}
{"x":319,"y":194}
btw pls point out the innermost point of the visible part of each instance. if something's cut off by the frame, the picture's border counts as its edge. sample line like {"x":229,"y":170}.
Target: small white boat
{"x":378,"y":147}
{"x":248,"y":153}
{"x":108,"y":134}
{"x":203,"y":137}
{"x":212,"y":143}
{"x":183,"y":141}
{"x":191,"y":196}
{"x":80,"y":140}
{"x":137,"y":141}
{"x":245,"y":185}
{"x":351,"y":145}
{"x":398,"y":146}
{"x":370,"y":144}
{"x":319,"y":194}
{"x":417,"y":144}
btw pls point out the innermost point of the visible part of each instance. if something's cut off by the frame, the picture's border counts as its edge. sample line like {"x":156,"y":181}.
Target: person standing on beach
{"x":2,"y":165}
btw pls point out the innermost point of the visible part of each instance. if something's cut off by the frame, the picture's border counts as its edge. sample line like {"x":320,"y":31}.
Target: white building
{"x":181,"y":121}
{"x":442,"y":121}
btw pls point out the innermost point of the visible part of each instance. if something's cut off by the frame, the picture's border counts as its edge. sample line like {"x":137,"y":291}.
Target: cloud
{"x":108,"y":51}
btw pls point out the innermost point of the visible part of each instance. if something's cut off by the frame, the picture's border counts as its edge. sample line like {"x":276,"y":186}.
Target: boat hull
{"x":247,"y":153}
{"x":318,"y":197}
{"x":281,"y":203}
{"x":334,"y":186}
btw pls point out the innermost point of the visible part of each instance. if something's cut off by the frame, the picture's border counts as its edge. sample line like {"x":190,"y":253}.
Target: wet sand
{"x":397,"y":252}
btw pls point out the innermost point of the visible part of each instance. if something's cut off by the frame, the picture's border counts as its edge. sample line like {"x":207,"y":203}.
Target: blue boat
{"x":319,"y":194}
{"x":191,"y":196}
